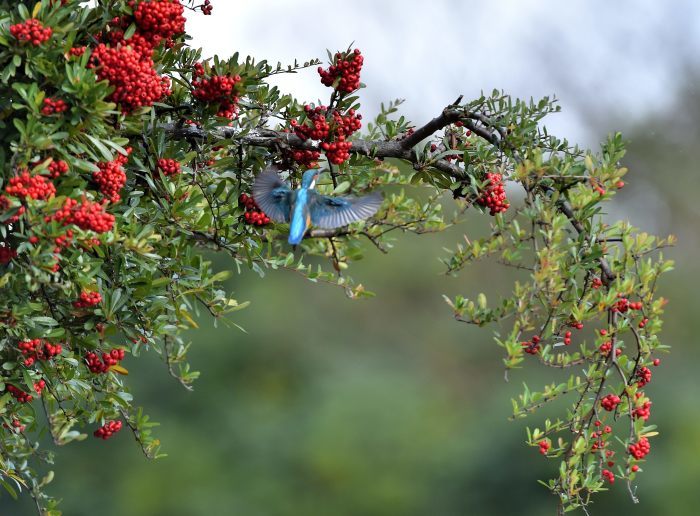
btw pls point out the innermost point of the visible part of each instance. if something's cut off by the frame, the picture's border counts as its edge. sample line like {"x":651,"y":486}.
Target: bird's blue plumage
{"x":300,"y":217}
{"x":304,"y":207}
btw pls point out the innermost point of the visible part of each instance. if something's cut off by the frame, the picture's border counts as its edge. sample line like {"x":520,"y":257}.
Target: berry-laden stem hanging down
{"x":125,"y":154}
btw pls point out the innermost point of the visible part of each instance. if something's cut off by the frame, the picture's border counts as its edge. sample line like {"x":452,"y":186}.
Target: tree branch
{"x":402,"y":149}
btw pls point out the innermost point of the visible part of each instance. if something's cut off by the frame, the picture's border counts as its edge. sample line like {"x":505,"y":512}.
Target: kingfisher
{"x":305,"y":207}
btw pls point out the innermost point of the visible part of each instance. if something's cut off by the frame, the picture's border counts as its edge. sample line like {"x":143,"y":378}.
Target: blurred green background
{"x":387,"y":406}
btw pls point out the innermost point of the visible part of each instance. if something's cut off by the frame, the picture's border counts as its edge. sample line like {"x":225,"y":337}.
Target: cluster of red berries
{"x":606,"y":347}
{"x":307,"y":158}
{"x":88,"y":299}
{"x":567,"y":338}
{"x":609,"y":476}
{"x":27,"y":185}
{"x":345,"y":70}
{"x":532,"y":346}
{"x":332,"y":133}
{"x":62,"y":240}
{"x":338,"y":151}
{"x":38,"y":349}
{"x":16,"y":425}
{"x":86,"y":215}
{"x":219,"y":90}
{"x":77,"y":51}
{"x":316,"y":126}
{"x":169,"y":167}
{"x":576,"y":324}
{"x":131,"y":74}
{"x":58,"y":168}
{"x":206,"y":7}
{"x":39,"y":386}
{"x":19,"y":394}
{"x":599,"y":443}
{"x":643,"y":375}
{"x":494,"y":195}
{"x":253,"y":214}
{"x":53,"y":106}
{"x":159,"y":19}
{"x":97,"y":366}
{"x":111,"y":177}
{"x":596,"y":283}
{"x":108,"y":429}
{"x":640,"y":449}
{"x":643,"y":322}
{"x":31,"y":31}
{"x":544,"y":446}
{"x":609,"y":402}
{"x":7,"y":254}
{"x":643,"y":410}
{"x":114,"y":37}
{"x":623,"y":305}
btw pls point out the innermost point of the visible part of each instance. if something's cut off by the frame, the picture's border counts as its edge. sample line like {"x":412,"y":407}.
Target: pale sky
{"x":605,"y":60}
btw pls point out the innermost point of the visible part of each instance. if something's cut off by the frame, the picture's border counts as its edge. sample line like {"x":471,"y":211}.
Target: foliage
{"x":124,"y":156}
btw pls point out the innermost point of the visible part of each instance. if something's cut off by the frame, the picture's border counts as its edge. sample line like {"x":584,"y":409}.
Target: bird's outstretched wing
{"x":333,"y":212}
{"x":273,"y":196}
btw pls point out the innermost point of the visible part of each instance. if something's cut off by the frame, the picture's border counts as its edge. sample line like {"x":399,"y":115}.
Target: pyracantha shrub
{"x":125,"y":154}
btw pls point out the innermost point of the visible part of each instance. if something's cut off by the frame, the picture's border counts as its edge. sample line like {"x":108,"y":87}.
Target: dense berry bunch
{"x":88,"y":299}
{"x":77,"y":51}
{"x":97,"y":366}
{"x":206,"y":7}
{"x":53,"y":106}
{"x":169,"y":167}
{"x":108,"y":429}
{"x":159,"y":19}
{"x":7,"y":254}
{"x":596,"y":283}
{"x":623,"y":305}
{"x":58,"y":168}
{"x":532,"y":346}
{"x":609,"y":402}
{"x":38,"y":349}
{"x":609,"y":475}
{"x":315,"y":127}
{"x":642,"y":407}
{"x":544,"y":446}
{"x":111,"y":177}
{"x":338,"y":151}
{"x":27,"y":185}
{"x":114,"y":38}
{"x":31,"y":31}
{"x":86,"y":215}
{"x":567,"y":338}
{"x":39,"y":386}
{"x":219,"y":90}
{"x":640,"y":449}
{"x":345,"y":70}
{"x":643,"y":376}
{"x":19,"y":394}
{"x":494,"y":195}
{"x":306,"y":158}
{"x":332,"y":132}
{"x":253,"y":214}
{"x":132,"y":75}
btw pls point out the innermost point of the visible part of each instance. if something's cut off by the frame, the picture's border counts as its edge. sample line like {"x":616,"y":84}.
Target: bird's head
{"x":308,"y":180}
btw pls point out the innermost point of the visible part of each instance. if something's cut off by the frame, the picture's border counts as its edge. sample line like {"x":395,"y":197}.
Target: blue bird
{"x":305,"y":207}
